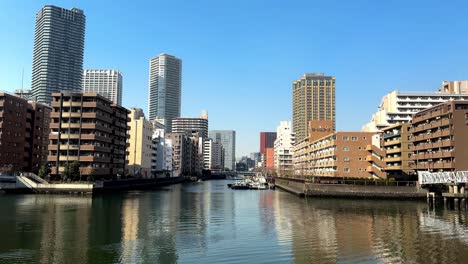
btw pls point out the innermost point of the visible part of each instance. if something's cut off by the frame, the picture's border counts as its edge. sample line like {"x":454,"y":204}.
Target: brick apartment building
{"x":341,"y":154}
{"x":440,"y":137}
{"x":24,"y":131}
{"x":90,"y":129}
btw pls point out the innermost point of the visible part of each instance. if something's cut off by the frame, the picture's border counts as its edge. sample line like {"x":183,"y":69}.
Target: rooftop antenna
{"x":22,"y":82}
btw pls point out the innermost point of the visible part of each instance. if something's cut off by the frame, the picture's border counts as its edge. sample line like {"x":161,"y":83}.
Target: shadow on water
{"x":209,"y":223}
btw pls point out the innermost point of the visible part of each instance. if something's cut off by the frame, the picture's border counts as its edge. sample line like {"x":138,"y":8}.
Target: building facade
{"x":440,"y":136}
{"x":187,"y":159}
{"x":217,"y":156}
{"x":140,"y":145}
{"x":165,"y":84}
{"x":24,"y":133}
{"x":313,"y":99}
{"x":341,"y":154}
{"x":396,"y":142}
{"x":24,"y":93}
{"x":161,"y":162}
{"x":283,"y":149}
{"x":192,"y":126}
{"x":454,"y":87}
{"x":89,"y":129}
{"x":227,"y":138}
{"x":107,"y":83}
{"x":399,"y":107}
{"x":58,"y":52}
{"x":267,"y":140}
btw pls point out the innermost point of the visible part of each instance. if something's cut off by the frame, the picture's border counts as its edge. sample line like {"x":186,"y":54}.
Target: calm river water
{"x":209,"y":223}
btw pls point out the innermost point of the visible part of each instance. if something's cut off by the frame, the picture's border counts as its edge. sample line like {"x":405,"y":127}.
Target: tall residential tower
{"x":107,"y":83}
{"x":58,"y":52}
{"x":313,"y":99}
{"x":165,"y":82}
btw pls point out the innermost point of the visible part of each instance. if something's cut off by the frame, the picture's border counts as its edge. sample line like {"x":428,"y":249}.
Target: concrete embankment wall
{"x":351,"y":191}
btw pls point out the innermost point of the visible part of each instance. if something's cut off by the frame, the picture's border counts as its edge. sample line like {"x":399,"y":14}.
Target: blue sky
{"x":240,"y":57}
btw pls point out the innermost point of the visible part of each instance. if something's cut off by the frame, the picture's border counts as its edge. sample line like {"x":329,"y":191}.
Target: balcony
{"x":392,"y":159}
{"x":392,"y":142}
{"x":389,"y":168}
{"x":393,"y":150}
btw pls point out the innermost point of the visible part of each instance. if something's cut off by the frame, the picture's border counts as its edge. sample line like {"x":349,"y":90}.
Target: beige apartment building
{"x":90,"y":129}
{"x":313,"y":99}
{"x":440,"y":137}
{"x":454,"y":87}
{"x":140,"y":145}
{"x":396,"y":143}
{"x":341,"y":154}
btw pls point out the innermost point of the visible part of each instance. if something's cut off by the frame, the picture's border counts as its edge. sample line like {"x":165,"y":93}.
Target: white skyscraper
{"x":165,"y":82}
{"x":107,"y":83}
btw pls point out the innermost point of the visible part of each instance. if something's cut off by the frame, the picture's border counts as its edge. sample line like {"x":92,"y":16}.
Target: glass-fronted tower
{"x":227,"y":138}
{"x":165,"y":82}
{"x":58,"y":52}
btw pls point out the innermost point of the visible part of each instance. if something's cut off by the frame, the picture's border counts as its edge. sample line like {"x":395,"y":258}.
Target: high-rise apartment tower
{"x":165,"y":82}
{"x":58,"y":52}
{"x":313,"y":99}
{"x":107,"y":83}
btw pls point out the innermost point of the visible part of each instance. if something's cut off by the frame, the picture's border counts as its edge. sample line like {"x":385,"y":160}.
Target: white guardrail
{"x":427,"y":177}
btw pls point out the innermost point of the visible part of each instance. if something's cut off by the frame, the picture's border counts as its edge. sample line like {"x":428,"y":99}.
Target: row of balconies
{"x":52,"y":158}
{"x":431,"y":145}
{"x":392,"y":142}
{"x":431,"y":135}
{"x":392,"y":150}
{"x":435,"y":165}
{"x":427,"y":115}
{"x":435,"y":124}
{"x":82,"y":148}
{"x":432,"y":155}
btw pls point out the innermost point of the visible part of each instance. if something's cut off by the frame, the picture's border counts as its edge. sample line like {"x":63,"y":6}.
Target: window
{"x":364,"y":138}
{"x":354,"y":138}
{"x":345,"y":148}
{"x":346,"y":159}
{"x":345,"y":138}
{"x":346,"y":169}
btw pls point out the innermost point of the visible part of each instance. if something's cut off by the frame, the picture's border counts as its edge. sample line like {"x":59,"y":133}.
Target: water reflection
{"x":208,"y":223}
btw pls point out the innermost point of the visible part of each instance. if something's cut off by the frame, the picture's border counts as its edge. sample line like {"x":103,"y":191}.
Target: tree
{"x":44,"y":171}
{"x":71,"y":171}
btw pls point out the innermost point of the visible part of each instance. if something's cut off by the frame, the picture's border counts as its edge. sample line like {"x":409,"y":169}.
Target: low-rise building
{"x":440,"y":137}
{"x":89,"y":129}
{"x":24,"y":133}
{"x":396,"y":143}
{"x":341,"y":154}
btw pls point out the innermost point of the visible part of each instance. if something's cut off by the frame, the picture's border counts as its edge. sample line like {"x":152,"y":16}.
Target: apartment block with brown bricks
{"x":24,"y":128}
{"x":90,"y":129}
{"x":341,"y":154}
{"x":396,"y":143}
{"x":440,"y":137}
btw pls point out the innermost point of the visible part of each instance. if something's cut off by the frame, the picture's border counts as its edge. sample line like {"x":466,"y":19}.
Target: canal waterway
{"x":209,"y":223}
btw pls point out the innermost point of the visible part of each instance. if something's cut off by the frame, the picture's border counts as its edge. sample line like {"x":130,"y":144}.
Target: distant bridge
{"x":452,"y":177}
